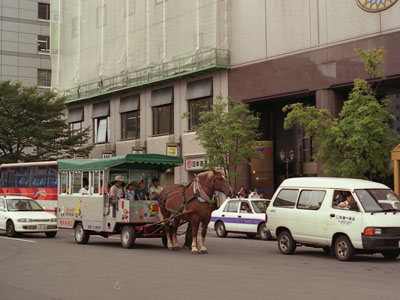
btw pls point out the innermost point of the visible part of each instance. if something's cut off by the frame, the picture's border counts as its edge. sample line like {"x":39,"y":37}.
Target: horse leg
{"x":204,"y":224}
{"x":175,"y":226}
{"x":195,"y":229}
{"x":167,"y":227}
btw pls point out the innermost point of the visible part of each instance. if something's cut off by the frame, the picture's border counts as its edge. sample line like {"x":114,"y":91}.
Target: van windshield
{"x":378,"y":200}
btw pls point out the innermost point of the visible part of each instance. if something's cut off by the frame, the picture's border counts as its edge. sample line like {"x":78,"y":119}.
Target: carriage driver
{"x":116,"y":193}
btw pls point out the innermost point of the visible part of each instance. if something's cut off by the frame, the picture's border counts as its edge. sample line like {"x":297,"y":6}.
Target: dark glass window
{"x":286,"y":198}
{"x":311,"y":200}
{"x":44,"y":77}
{"x":196,"y":107}
{"x":163,"y":119}
{"x":44,"y":11}
{"x":43,"y":44}
{"x":130,"y":125}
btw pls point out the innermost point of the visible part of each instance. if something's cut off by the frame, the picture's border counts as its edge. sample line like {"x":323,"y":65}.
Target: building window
{"x":162,"y":103}
{"x":43,"y":44}
{"x":199,"y":94}
{"x":163,"y":119}
{"x":75,"y":127}
{"x":101,"y":122}
{"x":43,"y":11}
{"x":44,"y":77}
{"x":195,"y":108}
{"x":101,"y":130}
{"x":130,"y":125}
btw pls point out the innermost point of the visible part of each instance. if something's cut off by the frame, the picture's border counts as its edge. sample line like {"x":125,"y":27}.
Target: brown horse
{"x":198,"y":198}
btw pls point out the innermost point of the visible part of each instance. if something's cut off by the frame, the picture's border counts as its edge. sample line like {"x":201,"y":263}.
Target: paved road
{"x":33,"y":267}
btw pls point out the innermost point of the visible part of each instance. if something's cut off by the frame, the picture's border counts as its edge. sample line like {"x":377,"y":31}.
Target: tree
{"x":228,"y":134}
{"x":32,"y":127}
{"x":358,"y":143}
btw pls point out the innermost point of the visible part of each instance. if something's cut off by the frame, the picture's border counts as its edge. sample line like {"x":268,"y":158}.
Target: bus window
{"x":76,"y":182}
{"x":95,"y":182}
{"x":64,"y":183}
{"x":52,"y":181}
{"x":10,"y":180}
{"x":22,"y":181}
{"x":39,"y":181}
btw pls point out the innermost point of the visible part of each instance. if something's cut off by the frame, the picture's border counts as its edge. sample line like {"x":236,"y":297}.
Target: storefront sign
{"x":172,"y":150}
{"x":137,"y":150}
{"x":193,"y":164}
{"x":375,"y":5}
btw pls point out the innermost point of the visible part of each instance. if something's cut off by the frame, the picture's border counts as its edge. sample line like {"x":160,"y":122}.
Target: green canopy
{"x":128,"y":161}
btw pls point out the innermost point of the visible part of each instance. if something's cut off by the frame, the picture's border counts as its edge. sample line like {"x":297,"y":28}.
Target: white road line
{"x":21,"y":240}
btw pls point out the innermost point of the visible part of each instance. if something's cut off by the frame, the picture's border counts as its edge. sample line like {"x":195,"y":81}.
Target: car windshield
{"x":259,"y":206}
{"x":23,"y":205}
{"x":378,"y":200}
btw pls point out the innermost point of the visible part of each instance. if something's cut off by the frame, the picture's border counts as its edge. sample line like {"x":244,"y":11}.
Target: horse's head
{"x":220,"y":183}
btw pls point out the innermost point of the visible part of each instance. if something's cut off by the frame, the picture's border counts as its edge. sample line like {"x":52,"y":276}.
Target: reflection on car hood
{"x":31,"y":214}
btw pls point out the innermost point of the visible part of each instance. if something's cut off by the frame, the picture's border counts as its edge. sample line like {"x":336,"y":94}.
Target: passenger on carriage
{"x":140,"y":192}
{"x":155,"y":189}
{"x":130,"y":193}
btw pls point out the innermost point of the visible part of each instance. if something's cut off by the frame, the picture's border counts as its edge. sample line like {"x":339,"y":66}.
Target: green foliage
{"x":358,"y":143}
{"x":228,"y":134}
{"x":32,"y":127}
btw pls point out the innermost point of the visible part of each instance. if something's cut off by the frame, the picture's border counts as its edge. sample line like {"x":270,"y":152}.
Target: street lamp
{"x":286,"y":158}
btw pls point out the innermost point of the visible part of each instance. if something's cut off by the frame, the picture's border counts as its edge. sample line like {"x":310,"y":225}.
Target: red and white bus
{"x":37,"y":180}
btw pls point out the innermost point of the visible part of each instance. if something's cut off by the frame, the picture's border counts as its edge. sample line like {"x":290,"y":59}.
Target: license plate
{"x":42,"y":227}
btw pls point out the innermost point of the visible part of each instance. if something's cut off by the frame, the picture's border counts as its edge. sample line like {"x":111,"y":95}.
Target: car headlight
{"x":53,"y":220}
{"x":24,"y":220}
{"x":372,"y":231}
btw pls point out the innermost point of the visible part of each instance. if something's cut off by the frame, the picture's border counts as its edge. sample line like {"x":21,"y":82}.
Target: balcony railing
{"x":211,"y":59}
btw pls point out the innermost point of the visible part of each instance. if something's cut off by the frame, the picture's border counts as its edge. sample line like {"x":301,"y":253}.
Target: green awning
{"x":128,"y":161}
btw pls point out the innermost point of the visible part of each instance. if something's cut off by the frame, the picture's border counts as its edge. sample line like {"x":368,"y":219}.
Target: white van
{"x":313,"y":211}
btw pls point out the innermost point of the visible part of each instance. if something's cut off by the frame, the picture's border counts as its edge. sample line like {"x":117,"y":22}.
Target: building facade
{"x":130,"y":69}
{"x":25,"y":42}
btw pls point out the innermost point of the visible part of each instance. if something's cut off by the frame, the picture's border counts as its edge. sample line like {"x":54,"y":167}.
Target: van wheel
{"x":81,"y":235}
{"x":286,"y":244}
{"x":344,"y":250}
{"x":220,"y":229}
{"x":128,"y":236}
{"x":391,"y":255}
{"x":10,"y":230}
{"x":263,"y":232}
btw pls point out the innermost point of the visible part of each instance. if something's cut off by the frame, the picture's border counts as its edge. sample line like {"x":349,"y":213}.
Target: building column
{"x":329,"y":100}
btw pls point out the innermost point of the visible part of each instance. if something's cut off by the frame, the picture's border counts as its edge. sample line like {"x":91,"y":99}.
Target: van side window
{"x":286,"y":198}
{"x":232,"y":206}
{"x":311,"y":199}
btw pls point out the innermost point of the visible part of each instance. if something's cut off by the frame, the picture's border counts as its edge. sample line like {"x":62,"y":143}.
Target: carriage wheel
{"x":128,"y":236}
{"x":220,"y":229}
{"x":81,"y":235}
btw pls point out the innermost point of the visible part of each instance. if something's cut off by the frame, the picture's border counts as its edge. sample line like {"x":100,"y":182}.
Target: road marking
{"x":8,"y":238}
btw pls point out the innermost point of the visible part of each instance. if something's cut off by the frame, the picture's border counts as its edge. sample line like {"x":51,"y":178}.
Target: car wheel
{"x":128,"y":236}
{"x":10,"y":230}
{"x":264,"y":233}
{"x":344,"y":250}
{"x":391,"y":255}
{"x":51,"y":234}
{"x":286,"y":244}
{"x":81,"y":235}
{"x":220,"y":229}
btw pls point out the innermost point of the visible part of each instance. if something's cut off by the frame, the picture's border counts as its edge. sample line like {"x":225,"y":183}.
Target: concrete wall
{"x":19,"y":30}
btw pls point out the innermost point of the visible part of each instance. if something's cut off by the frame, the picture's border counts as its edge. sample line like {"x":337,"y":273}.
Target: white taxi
{"x":241,"y":215}
{"x":24,"y":215}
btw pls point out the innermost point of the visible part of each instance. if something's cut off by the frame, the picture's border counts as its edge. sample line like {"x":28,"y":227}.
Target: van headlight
{"x":24,"y":220}
{"x":372,"y":231}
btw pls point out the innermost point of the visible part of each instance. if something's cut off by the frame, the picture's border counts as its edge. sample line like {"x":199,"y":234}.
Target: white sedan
{"x":24,"y":215}
{"x":241,"y":215}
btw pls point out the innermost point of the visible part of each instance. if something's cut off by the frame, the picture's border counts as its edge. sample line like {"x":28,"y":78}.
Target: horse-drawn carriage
{"x":93,"y":213}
